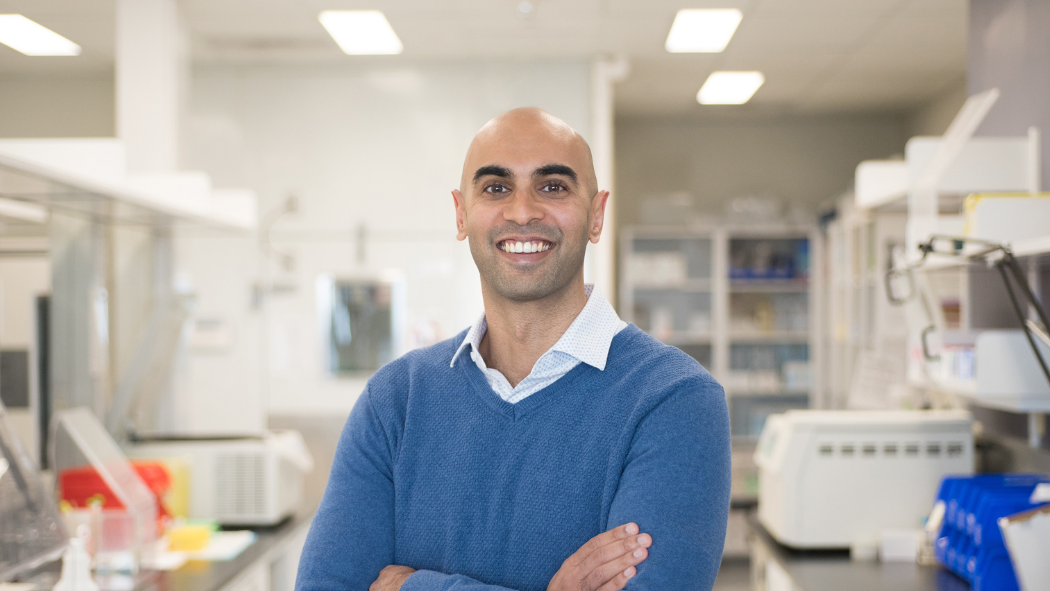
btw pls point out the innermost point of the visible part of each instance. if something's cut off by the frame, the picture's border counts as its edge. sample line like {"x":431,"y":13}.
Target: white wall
{"x":805,"y":161}
{"x":56,"y":105}
{"x":367,"y":144}
{"x":934,"y":117}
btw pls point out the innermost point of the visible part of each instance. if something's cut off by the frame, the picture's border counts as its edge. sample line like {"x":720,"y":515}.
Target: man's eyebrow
{"x":551,"y":169}
{"x":493,"y":170}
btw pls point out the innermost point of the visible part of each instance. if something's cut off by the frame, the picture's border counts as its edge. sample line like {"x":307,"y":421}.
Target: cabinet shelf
{"x":966,"y":392}
{"x":758,"y":393}
{"x":769,"y":285}
{"x":688,"y":339}
{"x":789,"y":337}
{"x":686,"y":285}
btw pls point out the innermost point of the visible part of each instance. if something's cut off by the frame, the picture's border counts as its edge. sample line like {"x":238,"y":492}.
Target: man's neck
{"x":519,"y":333}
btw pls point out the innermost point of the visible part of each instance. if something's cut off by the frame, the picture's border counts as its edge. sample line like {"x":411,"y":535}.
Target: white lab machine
{"x":238,"y":480}
{"x":837,"y":479}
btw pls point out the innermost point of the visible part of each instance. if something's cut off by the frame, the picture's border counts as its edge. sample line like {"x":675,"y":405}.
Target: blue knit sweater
{"x":434,"y":471}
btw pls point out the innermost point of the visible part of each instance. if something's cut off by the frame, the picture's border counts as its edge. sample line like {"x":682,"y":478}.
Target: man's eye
{"x":497,"y":188}
{"x":552,"y":187}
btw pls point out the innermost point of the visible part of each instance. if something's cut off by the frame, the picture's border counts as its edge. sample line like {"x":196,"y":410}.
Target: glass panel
{"x":359,"y":321}
{"x":768,"y":313}
{"x":769,"y":368}
{"x":90,"y":468}
{"x":769,"y":258}
{"x":747,"y":414}
{"x":667,"y":261}
{"x":31,"y":531}
{"x":672,"y":314}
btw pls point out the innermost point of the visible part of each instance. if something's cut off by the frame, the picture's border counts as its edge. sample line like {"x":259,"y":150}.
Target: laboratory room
{"x":524,"y":295}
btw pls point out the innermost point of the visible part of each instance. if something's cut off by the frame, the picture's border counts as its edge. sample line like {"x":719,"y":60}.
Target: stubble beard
{"x":551,"y":274}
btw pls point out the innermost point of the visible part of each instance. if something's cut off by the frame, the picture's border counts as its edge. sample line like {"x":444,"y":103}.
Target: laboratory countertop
{"x":834,"y":571}
{"x":199,"y":575}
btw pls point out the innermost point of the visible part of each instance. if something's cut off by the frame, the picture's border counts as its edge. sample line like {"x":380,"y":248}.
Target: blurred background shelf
{"x":739,"y":301}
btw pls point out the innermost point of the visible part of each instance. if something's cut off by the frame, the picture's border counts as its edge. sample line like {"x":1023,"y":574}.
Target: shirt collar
{"x":588,"y":338}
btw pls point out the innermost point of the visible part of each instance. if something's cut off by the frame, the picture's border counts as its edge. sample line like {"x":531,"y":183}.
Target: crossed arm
{"x":605,"y":563}
{"x":674,"y":487}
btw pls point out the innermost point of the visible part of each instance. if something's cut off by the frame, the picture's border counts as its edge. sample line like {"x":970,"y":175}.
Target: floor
{"x":734,"y":575}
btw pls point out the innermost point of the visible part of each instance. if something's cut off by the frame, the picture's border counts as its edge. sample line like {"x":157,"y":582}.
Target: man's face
{"x":528,"y":209}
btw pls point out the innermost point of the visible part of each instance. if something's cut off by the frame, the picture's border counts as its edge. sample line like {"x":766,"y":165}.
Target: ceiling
{"x":817,"y":55}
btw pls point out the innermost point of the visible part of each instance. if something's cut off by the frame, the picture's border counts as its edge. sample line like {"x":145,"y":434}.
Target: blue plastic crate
{"x":970,"y":543}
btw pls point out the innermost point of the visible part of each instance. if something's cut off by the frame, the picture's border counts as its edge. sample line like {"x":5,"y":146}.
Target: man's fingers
{"x":603,"y":539}
{"x":616,"y":549}
{"x":618,"y":582}
{"x":606,"y":562}
{"x":620,"y":569}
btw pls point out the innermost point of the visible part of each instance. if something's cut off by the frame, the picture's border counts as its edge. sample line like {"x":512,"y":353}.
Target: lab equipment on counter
{"x":970,"y":542}
{"x":31,"y":530}
{"x":81,"y":487}
{"x":836,"y":479}
{"x":76,"y":566}
{"x":237,"y":480}
{"x":82,"y":450}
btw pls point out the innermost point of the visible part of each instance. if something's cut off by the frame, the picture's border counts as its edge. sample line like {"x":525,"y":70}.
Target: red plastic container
{"x":80,"y":485}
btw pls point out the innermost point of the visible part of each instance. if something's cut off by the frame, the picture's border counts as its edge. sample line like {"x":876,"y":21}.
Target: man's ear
{"x":461,"y":214}
{"x":597,"y":215}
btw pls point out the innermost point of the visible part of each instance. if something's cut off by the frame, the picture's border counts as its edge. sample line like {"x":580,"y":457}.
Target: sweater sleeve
{"x":352,"y":535}
{"x":428,"y":580}
{"x":675,"y":486}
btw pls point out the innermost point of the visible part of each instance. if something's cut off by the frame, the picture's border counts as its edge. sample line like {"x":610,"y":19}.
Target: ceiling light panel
{"x":361,"y":32}
{"x":702,"y":30}
{"x":729,"y":88}
{"x":31,"y":38}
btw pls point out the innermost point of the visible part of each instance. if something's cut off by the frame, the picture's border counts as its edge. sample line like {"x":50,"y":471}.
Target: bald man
{"x":551,"y":445}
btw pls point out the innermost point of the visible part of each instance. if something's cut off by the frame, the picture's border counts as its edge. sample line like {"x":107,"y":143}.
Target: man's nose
{"x":522,"y":208}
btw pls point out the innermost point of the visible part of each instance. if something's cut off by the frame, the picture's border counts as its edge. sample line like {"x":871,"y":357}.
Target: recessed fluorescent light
{"x":729,"y":88}
{"x":30,"y":38}
{"x":361,"y":32}
{"x":702,"y":30}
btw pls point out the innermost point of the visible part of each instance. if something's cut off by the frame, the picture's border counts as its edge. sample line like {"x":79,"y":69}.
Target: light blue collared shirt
{"x":587,"y":340}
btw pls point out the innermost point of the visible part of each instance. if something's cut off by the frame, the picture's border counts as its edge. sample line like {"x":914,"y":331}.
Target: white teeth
{"x":524,"y":247}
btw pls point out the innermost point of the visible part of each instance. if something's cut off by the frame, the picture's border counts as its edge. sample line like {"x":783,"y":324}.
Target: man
{"x":496,"y":459}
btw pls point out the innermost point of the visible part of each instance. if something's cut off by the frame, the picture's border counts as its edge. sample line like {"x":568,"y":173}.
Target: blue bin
{"x":970,"y":543}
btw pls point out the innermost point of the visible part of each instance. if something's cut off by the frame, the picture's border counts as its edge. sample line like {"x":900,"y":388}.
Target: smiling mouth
{"x":524,"y":247}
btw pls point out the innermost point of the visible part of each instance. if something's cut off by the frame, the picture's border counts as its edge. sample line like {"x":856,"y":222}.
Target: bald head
{"x":529,"y":136}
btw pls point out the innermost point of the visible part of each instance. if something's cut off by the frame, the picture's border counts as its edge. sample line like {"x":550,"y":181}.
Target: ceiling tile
{"x":886,"y":90}
{"x":955,"y":12}
{"x":815,"y":54}
{"x":800,"y":35}
{"x":827,"y":8}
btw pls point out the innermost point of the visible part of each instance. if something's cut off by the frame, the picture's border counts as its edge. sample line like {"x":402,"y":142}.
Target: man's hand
{"x":604,"y":563}
{"x":391,"y":578}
